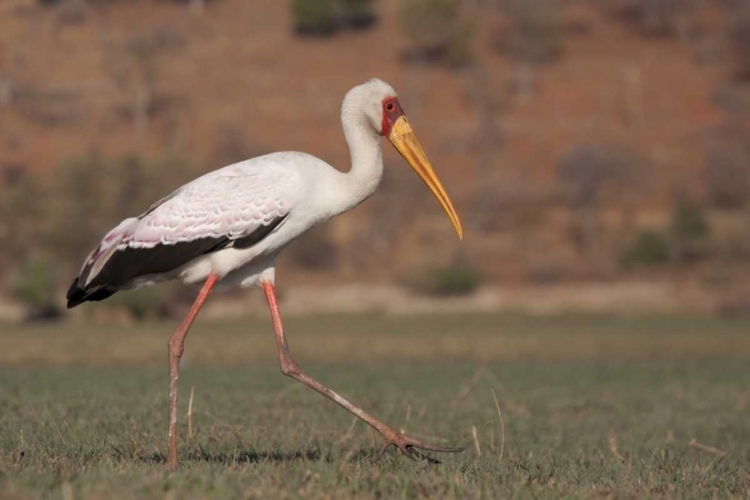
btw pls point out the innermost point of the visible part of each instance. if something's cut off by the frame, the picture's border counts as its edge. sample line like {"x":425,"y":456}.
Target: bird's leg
{"x":290,"y":368}
{"x":176,"y":346}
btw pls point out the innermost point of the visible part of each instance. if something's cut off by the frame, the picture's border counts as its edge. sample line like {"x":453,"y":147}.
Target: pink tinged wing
{"x":224,"y":205}
{"x":237,"y":206}
{"x":109,"y":244}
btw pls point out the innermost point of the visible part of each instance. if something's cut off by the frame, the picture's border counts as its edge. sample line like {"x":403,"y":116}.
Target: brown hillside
{"x":239,"y":63}
{"x":237,"y":70}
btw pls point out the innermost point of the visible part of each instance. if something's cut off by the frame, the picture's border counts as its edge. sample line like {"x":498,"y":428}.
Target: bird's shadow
{"x":201,"y":455}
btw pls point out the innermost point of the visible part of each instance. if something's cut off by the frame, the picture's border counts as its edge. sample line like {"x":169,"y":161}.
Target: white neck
{"x":363,"y":178}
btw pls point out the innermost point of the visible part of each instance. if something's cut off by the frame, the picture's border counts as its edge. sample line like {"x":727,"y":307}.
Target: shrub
{"x":134,"y":65}
{"x":727,"y":177}
{"x":35,"y":287}
{"x":586,"y":169}
{"x":72,"y":12}
{"x":80,"y":207}
{"x":650,"y":17}
{"x":438,"y":31}
{"x":324,"y":17}
{"x":140,"y":304}
{"x":689,"y":230}
{"x":136,"y":183}
{"x":649,"y":249}
{"x":48,"y":106}
{"x":689,"y":221}
{"x":358,"y":14}
{"x":90,"y":195}
{"x":316,"y":17}
{"x":537,"y":30}
{"x":21,"y":215}
{"x":36,"y":283}
{"x":459,"y":278}
{"x":739,"y":35}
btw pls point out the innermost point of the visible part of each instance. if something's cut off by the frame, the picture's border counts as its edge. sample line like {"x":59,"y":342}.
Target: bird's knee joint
{"x":175,"y":349}
{"x":290,"y":369}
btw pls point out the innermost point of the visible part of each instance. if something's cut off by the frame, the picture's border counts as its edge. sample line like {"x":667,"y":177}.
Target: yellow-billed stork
{"x":229,"y":225}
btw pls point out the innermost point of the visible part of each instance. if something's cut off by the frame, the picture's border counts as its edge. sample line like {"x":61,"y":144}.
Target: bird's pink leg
{"x":176,"y":346}
{"x":290,"y":368}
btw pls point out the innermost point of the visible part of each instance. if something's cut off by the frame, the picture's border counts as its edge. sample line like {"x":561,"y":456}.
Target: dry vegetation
{"x":479,"y":338}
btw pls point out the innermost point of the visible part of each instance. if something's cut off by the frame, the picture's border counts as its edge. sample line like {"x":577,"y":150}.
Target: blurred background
{"x":597,"y":151}
{"x":597,"y":311}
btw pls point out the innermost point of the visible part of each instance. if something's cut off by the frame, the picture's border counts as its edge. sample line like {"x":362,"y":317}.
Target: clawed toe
{"x":411,"y":448}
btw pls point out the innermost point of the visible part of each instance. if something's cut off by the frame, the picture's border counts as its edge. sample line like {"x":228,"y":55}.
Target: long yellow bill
{"x":405,"y":141}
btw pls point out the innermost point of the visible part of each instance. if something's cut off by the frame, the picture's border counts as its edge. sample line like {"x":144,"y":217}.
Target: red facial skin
{"x":391,"y":112}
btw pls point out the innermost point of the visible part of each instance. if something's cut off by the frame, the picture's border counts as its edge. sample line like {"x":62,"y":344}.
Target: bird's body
{"x":229,"y":225}
{"x":231,"y":222}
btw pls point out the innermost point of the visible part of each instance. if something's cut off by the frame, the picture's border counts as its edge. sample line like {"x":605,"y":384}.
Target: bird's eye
{"x":389,"y":106}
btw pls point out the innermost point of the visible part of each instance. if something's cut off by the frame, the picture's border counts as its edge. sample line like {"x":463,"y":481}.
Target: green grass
{"x":606,"y":416}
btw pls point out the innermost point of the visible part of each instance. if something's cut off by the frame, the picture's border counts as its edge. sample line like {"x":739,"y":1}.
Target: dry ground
{"x":378,"y":338}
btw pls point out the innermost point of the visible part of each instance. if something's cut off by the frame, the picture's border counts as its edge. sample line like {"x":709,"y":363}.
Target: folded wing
{"x":232,"y":207}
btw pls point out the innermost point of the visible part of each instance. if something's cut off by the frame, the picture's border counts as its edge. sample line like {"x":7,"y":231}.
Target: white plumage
{"x":240,"y":199}
{"x":230,"y":203}
{"x":229,"y":225}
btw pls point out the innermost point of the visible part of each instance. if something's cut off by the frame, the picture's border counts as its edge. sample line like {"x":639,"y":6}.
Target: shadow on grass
{"x":253,"y":456}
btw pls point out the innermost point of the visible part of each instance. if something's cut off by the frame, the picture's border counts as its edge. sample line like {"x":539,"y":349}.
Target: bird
{"x":228,"y":226}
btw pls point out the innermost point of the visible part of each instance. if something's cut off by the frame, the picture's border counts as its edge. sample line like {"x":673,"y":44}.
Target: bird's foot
{"x":411,"y":447}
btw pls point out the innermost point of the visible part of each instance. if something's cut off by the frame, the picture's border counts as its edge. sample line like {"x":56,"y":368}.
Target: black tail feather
{"x":77,"y":296}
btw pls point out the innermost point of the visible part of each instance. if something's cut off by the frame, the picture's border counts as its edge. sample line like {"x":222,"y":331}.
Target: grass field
{"x":591,"y":407}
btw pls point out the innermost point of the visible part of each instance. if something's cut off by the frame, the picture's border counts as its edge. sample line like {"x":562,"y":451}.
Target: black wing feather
{"x":128,"y":263}
{"x":257,"y":236}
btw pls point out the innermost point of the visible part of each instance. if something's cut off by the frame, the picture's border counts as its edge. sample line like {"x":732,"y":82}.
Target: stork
{"x":230,"y":224}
